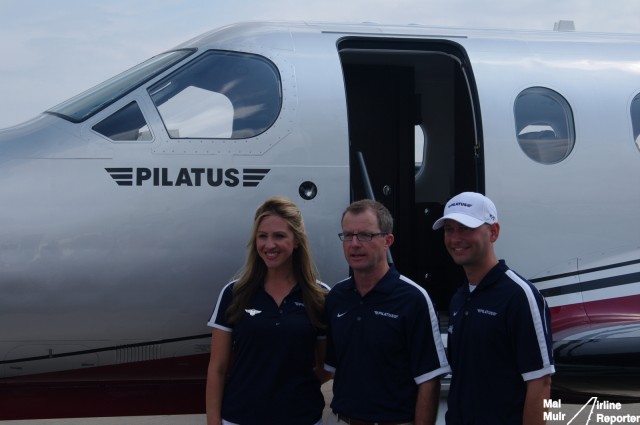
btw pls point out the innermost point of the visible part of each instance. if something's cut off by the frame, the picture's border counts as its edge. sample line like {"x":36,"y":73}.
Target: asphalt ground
{"x":563,"y":414}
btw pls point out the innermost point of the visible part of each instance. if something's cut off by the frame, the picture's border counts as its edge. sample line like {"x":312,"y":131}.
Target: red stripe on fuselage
{"x":160,"y":387}
{"x":606,"y":311}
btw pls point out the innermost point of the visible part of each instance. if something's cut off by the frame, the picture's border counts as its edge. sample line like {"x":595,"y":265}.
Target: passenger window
{"x":635,"y":119}
{"x":544,"y":125}
{"x":220,"y":95}
{"x":419,"y":148}
{"x":126,"y":125}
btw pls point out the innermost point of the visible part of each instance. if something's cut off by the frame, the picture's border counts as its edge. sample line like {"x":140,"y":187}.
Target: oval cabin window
{"x":635,"y":119}
{"x":544,"y":125}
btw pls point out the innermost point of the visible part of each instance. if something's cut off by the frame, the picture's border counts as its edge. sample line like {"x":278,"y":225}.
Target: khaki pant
{"x":231,"y":423}
{"x":332,"y":419}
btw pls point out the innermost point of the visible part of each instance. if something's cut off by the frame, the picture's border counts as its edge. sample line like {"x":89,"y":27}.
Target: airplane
{"x":127,"y":208}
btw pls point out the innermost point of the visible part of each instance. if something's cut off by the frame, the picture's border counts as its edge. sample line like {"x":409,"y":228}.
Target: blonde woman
{"x":268,"y":337}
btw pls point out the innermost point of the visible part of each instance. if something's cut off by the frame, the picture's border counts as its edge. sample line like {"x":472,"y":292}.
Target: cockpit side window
{"x":635,"y":119}
{"x":544,"y":125}
{"x":220,"y":95}
{"x":125,"y":125}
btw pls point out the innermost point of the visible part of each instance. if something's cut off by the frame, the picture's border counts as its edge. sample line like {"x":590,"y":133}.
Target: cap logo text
{"x":459,"y":204}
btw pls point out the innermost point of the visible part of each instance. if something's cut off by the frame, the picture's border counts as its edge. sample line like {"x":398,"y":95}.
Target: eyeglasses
{"x":362,"y":236}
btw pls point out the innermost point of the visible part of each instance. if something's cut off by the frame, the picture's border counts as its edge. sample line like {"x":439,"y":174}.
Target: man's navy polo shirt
{"x":272,"y":380}
{"x":499,"y":338}
{"x":381,"y":347}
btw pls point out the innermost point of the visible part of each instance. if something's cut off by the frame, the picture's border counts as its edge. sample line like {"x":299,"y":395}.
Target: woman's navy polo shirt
{"x":272,"y":380}
{"x":499,"y":338}
{"x":381,"y":347}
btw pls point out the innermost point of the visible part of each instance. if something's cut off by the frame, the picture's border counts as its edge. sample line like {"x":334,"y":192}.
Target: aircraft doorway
{"x":414,"y":136}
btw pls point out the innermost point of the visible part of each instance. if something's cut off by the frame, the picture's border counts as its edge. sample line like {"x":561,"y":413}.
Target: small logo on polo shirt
{"x":298,"y":304}
{"x":385,"y":314}
{"x":341,"y":314}
{"x":253,"y":312}
{"x":487,"y":312}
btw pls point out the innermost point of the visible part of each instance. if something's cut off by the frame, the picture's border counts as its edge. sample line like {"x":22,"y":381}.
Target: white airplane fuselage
{"x":128,"y":208}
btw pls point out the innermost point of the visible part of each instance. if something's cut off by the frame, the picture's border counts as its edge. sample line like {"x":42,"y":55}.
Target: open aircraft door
{"x":415,"y":141}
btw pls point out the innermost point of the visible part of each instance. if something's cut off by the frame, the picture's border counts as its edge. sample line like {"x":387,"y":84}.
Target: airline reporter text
{"x":617,"y":419}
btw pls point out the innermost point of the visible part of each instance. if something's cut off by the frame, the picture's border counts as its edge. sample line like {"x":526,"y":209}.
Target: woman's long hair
{"x":254,"y":270}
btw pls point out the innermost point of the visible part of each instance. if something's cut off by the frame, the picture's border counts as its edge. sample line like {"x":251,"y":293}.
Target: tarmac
{"x":562,"y":414}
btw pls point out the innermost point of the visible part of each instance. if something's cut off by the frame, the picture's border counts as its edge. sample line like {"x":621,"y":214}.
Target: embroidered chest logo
{"x":253,"y":312}
{"x":385,"y":314}
{"x":487,"y":312}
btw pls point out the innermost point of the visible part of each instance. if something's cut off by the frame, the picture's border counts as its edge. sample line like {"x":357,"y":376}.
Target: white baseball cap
{"x":469,"y":208}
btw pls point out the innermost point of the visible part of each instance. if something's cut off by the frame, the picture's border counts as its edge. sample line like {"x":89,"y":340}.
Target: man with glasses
{"x":384,"y":345}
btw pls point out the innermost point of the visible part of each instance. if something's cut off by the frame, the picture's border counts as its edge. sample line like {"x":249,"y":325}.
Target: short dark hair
{"x":385,"y":220}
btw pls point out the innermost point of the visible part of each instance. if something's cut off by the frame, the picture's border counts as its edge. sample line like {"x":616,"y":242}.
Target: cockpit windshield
{"x":86,"y":104}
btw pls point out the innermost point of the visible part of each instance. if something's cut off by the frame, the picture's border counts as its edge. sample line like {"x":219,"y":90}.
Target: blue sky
{"x":52,"y":50}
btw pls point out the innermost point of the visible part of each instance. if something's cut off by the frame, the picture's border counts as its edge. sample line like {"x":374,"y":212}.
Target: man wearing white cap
{"x":499,"y":340}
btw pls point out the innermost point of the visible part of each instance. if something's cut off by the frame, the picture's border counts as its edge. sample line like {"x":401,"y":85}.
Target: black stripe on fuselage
{"x":104,"y":349}
{"x":590,"y":285}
